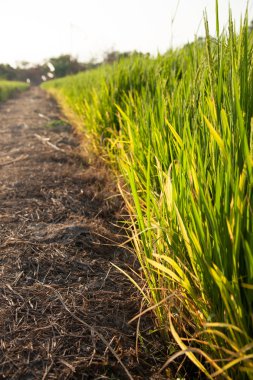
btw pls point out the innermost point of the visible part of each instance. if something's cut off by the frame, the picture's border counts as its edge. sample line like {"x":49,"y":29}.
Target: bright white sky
{"x":34,"y":30}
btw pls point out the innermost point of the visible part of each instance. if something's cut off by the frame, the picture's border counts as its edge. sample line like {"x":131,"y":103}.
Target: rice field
{"x":8,"y":88}
{"x":179,"y":130}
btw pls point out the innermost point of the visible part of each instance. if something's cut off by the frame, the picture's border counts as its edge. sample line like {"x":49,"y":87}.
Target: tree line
{"x":55,"y":67}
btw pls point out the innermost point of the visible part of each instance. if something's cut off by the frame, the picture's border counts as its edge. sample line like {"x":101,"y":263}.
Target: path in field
{"x":61,"y":301}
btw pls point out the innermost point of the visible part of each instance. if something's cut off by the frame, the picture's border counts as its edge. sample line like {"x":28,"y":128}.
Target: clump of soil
{"x":63,"y":307}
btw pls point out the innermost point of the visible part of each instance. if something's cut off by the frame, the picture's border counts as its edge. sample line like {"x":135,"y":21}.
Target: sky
{"x":35,"y":30}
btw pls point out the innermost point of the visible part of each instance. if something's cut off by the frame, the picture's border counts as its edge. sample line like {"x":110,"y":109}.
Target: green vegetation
{"x":180,"y":130}
{"x":56,"y":123}
{"x":8,"y":88}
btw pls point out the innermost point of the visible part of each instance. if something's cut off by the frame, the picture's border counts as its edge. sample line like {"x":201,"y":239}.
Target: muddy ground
{"x":64,"y":309}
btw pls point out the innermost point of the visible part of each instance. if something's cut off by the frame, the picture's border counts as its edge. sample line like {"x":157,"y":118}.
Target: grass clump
{"x":8,"y":88}
{"x":180,"y":130}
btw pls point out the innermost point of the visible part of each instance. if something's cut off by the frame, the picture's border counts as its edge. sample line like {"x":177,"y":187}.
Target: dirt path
{"x":61,"y":301}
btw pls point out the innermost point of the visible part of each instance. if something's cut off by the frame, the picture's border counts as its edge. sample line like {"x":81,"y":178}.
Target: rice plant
{"x":179,"y":128}
{"x":8,"y":88}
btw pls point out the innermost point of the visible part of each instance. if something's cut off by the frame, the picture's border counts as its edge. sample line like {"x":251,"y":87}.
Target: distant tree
{"x":24,"y":64}
{"x":113,"y":56}
{"x":7,"y":72}
{"x":65,"y":65}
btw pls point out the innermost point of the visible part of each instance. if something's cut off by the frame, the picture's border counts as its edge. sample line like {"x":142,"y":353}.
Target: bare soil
{"x":64,"y":309}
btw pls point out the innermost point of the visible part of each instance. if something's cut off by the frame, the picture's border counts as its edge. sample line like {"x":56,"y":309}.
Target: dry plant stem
{"x":20,"y":158}
{"x":92,"y":329}
{"x":45,"y":140}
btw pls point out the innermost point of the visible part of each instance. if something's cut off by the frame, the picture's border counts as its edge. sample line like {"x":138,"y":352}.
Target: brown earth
{"x":63,"y":307}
